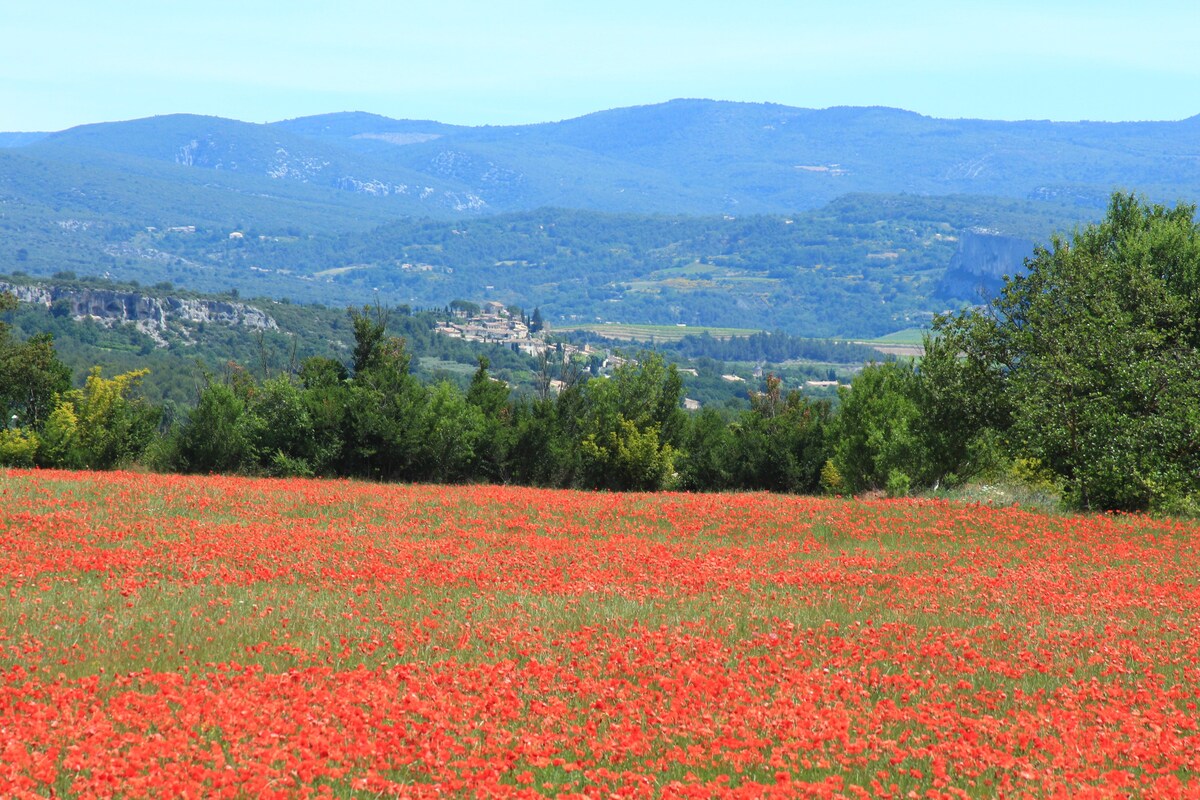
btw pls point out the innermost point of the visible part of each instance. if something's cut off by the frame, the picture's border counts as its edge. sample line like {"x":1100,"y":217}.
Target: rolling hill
{"x":680,"y":157}
{"x":841,"y":221}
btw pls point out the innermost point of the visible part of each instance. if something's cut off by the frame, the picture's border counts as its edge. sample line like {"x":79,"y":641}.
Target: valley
{"x":846,"y":222}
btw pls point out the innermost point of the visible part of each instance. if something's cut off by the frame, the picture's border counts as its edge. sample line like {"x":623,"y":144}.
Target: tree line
{"x":1083,"y":374}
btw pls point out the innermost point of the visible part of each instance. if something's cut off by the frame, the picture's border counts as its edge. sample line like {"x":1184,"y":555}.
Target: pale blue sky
{"x":69,"y":62}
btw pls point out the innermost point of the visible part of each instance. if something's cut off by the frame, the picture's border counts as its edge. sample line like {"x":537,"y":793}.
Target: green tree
{"x":1099,"y":348}
{"x":60,"y":446}
{"x":465,"y":307}
{"x":631,"y":425}
{"x":384,"y":406}
{"x":962,"y":408}
{"x":286,"y":443}
{"x":112,"y":426}
{"x":31,"y":378}
{"x":704,"y":462}
{"x":326,"y":395}
{"x":369,"y":333}
{"x":452,"y":431}
{"x":627,"y":458}
{"x":877,"y":433}
{"x":780,"y":443}
{"x":18,"y":447}
{"x":497,"y":435}
{"x":220,"y":434}
{"x":534,"y":459}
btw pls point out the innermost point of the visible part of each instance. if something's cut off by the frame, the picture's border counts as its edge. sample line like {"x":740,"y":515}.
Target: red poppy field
{"x":164,"y":636}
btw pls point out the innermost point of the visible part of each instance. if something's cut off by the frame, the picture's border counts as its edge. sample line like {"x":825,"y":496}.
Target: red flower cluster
{"x":226,"y":637}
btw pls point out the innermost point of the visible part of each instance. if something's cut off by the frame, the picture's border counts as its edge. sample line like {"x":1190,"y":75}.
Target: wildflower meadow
{"x":167,"y":636}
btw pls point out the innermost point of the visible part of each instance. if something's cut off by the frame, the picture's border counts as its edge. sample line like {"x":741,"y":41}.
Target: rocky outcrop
{"x":220,"y":312}
{"x":152,"y":315}
{"x":976,"y":271}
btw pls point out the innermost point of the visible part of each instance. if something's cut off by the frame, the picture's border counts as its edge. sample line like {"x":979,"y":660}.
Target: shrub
{"x":831,"y":478}
{"x":898,"y":483}
{"x":18,"y":447}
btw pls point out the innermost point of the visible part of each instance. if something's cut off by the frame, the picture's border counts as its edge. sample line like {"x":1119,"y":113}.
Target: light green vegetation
{"x":654,"y":333}
{"x":911,"y":336}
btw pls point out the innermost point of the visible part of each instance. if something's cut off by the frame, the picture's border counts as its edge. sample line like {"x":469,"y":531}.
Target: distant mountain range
{"x":684,"y":156}
{"x":875,"y":206}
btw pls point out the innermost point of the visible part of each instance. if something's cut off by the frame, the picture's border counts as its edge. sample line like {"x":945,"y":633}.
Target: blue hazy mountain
{"x":835,"y":221}
{"x":684,"y":156}
{"x":700,"y":156}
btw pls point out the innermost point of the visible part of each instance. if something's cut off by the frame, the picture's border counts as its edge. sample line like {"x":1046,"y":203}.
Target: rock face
{"x":977,"y":270}
{"x":152,"y":315}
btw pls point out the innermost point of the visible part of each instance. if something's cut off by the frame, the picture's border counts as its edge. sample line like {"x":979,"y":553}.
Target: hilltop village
{"x":494,"y":323}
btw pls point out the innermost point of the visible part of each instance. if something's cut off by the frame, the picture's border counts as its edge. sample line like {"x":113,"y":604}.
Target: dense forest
{"x":1082,"y":376}
{"x":862,"y":266}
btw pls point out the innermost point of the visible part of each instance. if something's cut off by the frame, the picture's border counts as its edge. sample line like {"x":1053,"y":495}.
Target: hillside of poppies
{"x":169,"y":636}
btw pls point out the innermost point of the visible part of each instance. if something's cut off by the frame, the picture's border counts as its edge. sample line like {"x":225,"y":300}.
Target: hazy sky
{"x":66,"y":62}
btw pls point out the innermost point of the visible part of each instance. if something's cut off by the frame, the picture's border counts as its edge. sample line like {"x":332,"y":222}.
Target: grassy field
{"x":902,"y":343}
{"x":436,"y":365}
{"x":228,"y":637}
{"x":912,"y":336}
{"x":906,"y":343}
{"x":657,"y":333}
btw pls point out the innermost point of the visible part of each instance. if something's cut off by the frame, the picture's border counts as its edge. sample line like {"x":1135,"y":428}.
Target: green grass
{"x":659,"y":333}
{"x":906,"y":336}
{"x":436,"y":365}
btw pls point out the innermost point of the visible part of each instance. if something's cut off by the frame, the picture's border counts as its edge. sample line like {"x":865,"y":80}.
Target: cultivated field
{"x":657,"y":333}
{"x":213,"y":637}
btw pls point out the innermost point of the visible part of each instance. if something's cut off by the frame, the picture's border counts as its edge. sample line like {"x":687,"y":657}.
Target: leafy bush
{"x":832,"y":481}
{"x":18,"y":447}
{"x":898,"y":483}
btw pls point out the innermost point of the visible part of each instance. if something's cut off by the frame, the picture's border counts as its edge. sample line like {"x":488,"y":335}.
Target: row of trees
{"x":1084,"y":374}
{"x":374,"y":419}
